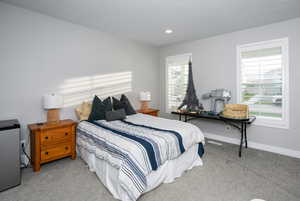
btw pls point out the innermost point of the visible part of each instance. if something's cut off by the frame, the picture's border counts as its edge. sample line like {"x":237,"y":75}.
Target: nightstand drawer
{"x":54,"y":152}
{"x":55,"y":135}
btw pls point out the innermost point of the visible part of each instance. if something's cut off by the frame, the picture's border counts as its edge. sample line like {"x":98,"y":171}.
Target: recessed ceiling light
{"x":168,"y":31}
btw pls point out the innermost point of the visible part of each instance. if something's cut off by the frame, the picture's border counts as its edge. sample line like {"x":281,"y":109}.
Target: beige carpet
{"x":224,"y":177}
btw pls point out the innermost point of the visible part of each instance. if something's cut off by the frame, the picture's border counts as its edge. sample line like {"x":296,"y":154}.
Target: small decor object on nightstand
{"x":145,"y":98}
{"x":50,"y":142}
{"x":149,"y":111}
{"x":52,"y":103}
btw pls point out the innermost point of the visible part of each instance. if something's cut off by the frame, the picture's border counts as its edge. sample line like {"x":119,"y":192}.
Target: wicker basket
{"x":238,"y":111}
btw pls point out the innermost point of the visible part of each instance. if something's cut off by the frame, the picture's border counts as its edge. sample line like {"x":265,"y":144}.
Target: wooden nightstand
{"x":149,"y":111}
{"x":49,"y":142}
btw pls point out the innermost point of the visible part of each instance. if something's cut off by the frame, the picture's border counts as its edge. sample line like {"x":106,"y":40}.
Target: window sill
{"x":272,"y":123}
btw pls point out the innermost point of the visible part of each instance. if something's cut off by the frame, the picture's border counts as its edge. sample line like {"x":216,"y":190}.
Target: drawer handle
{"x":66,"y":134}
{"x":46,"y":137}
{"x":46,"y":153}
{"x":66,"y":148}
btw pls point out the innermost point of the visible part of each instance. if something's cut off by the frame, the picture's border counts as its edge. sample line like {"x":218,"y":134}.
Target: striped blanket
{"x":133,"y":148}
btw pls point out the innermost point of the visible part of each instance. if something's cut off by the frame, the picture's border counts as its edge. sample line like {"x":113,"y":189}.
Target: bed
{"x":135,"y":155}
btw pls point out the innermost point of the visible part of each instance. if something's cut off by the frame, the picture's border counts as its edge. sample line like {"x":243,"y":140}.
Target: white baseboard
{"x":255,"y":145}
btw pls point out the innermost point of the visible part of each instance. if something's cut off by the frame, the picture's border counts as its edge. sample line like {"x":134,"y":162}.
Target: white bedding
{"x":189,"y":132}
{"x":167,"y":172}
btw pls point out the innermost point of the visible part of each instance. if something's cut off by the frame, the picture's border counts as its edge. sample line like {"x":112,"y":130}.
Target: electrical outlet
{"x":227,"y":127}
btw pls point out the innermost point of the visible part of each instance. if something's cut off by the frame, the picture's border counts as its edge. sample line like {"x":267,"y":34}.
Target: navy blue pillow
{"x":99,"y":108}
{"x":123,"y":103}
{"x":128,"y":108}
{"x":115,"y":115}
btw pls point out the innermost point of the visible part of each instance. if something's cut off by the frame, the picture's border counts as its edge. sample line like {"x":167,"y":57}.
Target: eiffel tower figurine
{"x":190,"y":100}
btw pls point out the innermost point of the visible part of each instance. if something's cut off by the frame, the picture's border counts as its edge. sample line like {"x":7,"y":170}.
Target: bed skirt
{"x":166,"y":173}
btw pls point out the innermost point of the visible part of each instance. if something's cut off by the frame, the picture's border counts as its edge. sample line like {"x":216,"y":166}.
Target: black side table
{"x":240,"y":124}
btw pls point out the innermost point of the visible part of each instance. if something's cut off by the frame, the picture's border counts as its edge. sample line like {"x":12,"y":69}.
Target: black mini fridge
{"x":10,"y":170}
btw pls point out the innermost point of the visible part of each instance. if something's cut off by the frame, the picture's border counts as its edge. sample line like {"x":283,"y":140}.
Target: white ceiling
{"x":146,"y":20}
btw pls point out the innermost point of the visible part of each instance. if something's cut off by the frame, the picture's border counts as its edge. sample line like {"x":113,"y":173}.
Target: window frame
{"x":167,"y":108}
{"x":284,"y":44}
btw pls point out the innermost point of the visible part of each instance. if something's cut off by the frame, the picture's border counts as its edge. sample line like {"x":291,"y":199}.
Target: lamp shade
{"x":53,"y":101}
{"x":145,"y":96}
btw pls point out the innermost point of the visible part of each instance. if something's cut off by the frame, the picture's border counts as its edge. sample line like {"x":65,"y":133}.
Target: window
{"x":177,"y":78}
{"x":263,"y":81}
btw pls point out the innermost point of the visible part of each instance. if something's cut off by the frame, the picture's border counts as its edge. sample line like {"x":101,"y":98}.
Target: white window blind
{"x":263,"y":81}
{"x":177,"y":78}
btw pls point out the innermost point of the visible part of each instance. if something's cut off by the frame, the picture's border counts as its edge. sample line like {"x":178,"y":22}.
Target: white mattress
{"x":165,"y":173}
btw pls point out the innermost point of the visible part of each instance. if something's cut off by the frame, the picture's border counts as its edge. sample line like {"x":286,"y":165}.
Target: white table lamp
{"x":145,"y":98}
{"x":52,"y":103}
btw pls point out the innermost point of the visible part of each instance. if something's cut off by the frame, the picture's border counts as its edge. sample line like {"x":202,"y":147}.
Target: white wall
{"x":214,"y":66}
{"x":38,"y":53}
